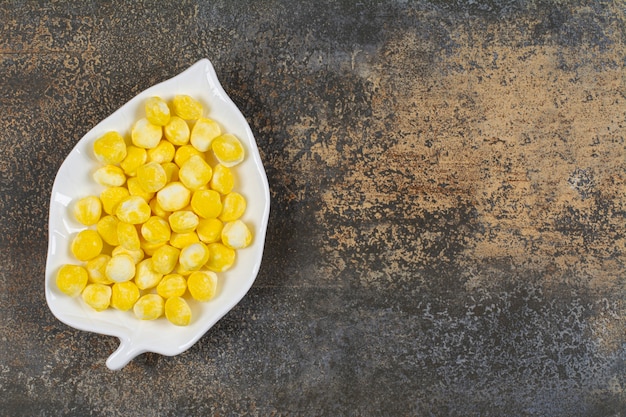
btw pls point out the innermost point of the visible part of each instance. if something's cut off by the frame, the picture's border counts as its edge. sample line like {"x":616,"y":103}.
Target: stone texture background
{"x":447,"y":227}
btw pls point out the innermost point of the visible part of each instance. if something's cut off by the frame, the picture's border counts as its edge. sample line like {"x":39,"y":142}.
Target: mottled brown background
{"x":447,"y":227}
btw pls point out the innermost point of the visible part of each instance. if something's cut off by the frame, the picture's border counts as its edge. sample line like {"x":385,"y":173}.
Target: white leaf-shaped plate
{"x":74,"y":180}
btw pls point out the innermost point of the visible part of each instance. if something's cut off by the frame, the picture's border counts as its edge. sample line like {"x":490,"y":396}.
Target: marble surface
{"x":447,"y":234}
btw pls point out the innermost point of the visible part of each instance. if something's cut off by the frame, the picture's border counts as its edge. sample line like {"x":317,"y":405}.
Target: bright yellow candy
{"x":72,"y":279}
{"x":202,"y":285}
{"x":172,"y":285}
{"x":177,"y":311}
{"x":228,"y":150}
{"x":135,"y":188}
{"x":187,"y":107}
{"x":236,"y":235}
{"x":171,"y":171}
{"x":174,"y":196}
{"x":146,"y":277}
{"x":111,"y":198}
{"x":193,"y":256}
{"x":107,"y":229}
{"x":150,"y":247}
{"x":97,"y":296}
{"x":120,"y":268}
{"x":183,"y":153}
{"x":156,"y":230}
{"x":88,"y":210}
{"x":157,"y":111}
{"x":149,"y":307}
{"x":96,"y":269}
{"x":135,"y":158}
{"x":128,"y":236}
{"x":164,"y":259}
{"x":210,"y":230}
{"x":195,"y":172}
{"x":180,"y":240}
{"x":221,"y":257}
{"x":146,"y":135}
{"x":124,"y":295}
{"x":164,"y":152}
{"x":133,"y":209}
{"x":110,"y":148}
{"x":233,"y":207}
{"x":152,"y":177}
{"x":203,"y":133}
{"x":86,"y":245}
{"x":110,"y":176}
{"x":183,"y":221}
{"x":157,"y":210}
{"x":136,"y":254}
{"x":206,"y":203}
{"x":222,"y":180}
{"x":177,"y":131}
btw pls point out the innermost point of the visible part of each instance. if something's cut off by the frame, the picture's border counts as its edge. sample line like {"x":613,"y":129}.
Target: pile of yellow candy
{"x":167,"y":219}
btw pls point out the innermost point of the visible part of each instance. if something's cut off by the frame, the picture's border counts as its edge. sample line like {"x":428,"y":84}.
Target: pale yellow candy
{"x":97,"y":296}
{"x":156,"y":230}
{"x":120,"y":268}
{"x":221,"y":257}
{"x":135,"y":188}
{"x":177,"y":311}
{"x":187,"y":107}
{"x":195,"y":172}
{"x":146,"y":277}
{"x":110,"y":148}
{"x":236,"y":235}
{"x":202,"y":285}
{"x":111,"y":197}
{"x":193,"y":256}
{"x":72,"y":279}
{"x":150,"y":247}
{"x":180,"y":240}
{"x":228,"y":150}
{"x":203,"y":133}
{"x":183,"y":153}
{"x":107,"y":229}
{"x":210,"y":230}
{"x":135,"y":158}
{"x":174,"y":196}
{"x":177,"y":131}
{"x":110,"y":176}
{"x":86,"y":245}
{"x":183,"y":221}
{"x":88,"y":210}
{"x":164,"y":152}
{"x":206,"y":203}
{"x":222,"y":180}
{"x":171,"y":171}
{"x":96,"y":269}
{"x":157,"y":210}
{"x":136,"y":254}
{"x":149,"y":307}
{"x":172,"y":285}
{"x":233,"y":207}
{"x":133,"y":209}
{"x":152,"y":177}
{"x":157,"y":111}
{"x":124,"y":295}
{"x":146,"y":135}
{"x":128,"y":236}
{"x":165,"y":258}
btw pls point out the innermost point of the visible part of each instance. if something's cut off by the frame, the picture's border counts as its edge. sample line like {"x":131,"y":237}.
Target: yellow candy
{"x":135,"y":158}
{"x":149,"y":307}
{"x":223,"y":179}
{"x":107,"y":229}
{"x":111,"y":197}
{"x":174,"y":196}
{"x":150,"y":247}
{"x":172,"y":285}
{"x":180,"y":240}
{"x":209,"y":230}
{"x":157,"y":210}
{"x":96,"y":269}
{"x":206,"y":203}
{"x":164,"y":259}
{"x":110,"y":176}
{"x":195,"y":172}
{"x":156,"y":230}
{"x":236,"y":235}
{"x":135,"y":188}
{"x":193,"y":256}
{"x":157,"y":111}
{"x":185,"y":152}
{"x":128,"y":236}
{"x":203,"y":133}
{"x":97,"y":296}
{"x":221,"y":257}
{"x":177,"y":131}
{"x":202,"y":285}
{"x":152,"y":177}
{"x":146,"y":277}
{"x":233,"y":207}
{"x":72,"y":279}
{"x":146,"y":135}
{"x":187,"y":107}
{"x":183,"y":221}
{"x":171,"y":171}
{"x":133,"y":209}
{"x":120,"y":268}
{"x":110,"y":148}
{"x":124,"y":295}
{"x":88,"y":210}
{"x":177,"y":311}
{"x":228,"y":150}
{"x":86,"y":245}
{"x":164,"y":152}
{"x":136,"y":254}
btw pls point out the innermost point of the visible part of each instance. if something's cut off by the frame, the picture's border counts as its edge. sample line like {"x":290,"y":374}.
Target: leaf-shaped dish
{"x":74,"y":180}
